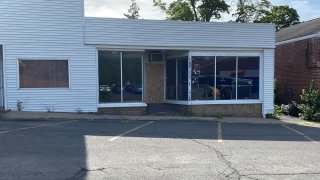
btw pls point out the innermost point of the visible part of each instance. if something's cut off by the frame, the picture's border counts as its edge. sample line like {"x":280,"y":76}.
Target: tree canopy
{"x":251,"y":10}
{"x":133,"y":11}
{"x":193,"y":10}
{"x":256,"y":11}
{"x":281,"y":16}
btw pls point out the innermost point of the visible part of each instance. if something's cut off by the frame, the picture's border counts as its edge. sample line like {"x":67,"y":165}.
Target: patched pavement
{"x":124,"y":149}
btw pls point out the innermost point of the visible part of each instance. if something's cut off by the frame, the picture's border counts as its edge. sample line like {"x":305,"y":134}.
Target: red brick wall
{"x":295,"y":66}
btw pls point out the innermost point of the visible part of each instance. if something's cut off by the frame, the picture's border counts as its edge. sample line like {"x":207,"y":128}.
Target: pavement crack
{"x":83,"y":171}
{"x":230,"y":172}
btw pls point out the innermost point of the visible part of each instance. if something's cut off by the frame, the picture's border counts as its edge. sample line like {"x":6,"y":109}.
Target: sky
{"x":307,"y":9}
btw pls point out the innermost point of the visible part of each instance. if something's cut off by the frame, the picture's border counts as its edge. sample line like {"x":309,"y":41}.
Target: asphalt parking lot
{"x":121,"y":149}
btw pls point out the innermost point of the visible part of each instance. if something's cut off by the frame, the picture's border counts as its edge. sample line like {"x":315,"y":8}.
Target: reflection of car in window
{"x":133,"y":89}
{"x":105,"y":88}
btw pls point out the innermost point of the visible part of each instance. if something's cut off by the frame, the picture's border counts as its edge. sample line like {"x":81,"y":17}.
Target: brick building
{"x":297,"y":59}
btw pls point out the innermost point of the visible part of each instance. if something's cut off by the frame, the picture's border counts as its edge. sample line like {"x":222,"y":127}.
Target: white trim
{"x":115,"y":105}
{"x":121,"y":76}
{"x":189,"y":77}
{"x":226,"y":53}
{"x":102,"y":48}
{"x":191,"y":48}
{"x":213,"y":102}
{"x":98,"y":78}
{"x":298,"y":39}
{"x":261,"y":79}
{"x":4,"y":90}
{"x":43,"y":59}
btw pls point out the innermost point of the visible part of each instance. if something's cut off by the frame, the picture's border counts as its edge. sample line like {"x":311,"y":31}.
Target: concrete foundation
{"x":128,"y":111}
{"x":231,"y":110}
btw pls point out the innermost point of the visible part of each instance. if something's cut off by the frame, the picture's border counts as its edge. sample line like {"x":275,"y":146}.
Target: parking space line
{"x":39,"y":126}
{"x":300,"y":133}
{"x":130,"y":131}
{"x":219,"y":132}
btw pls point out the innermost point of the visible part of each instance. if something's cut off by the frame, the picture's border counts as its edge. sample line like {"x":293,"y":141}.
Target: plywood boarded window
{"x":43,"y":73}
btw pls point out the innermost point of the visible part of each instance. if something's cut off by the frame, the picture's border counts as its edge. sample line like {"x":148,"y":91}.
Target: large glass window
{"x":177,"y":79}
{"x":120,"y":77}
{"x":132,"y":76}
{"x":171,"y":68}
{"x":43,"y":74}
{"x":109,"y":76}
{"x":248,"y":77}
{"x":203,"y":78}
{"x":226,"y":77}
{"x":182,"y":64}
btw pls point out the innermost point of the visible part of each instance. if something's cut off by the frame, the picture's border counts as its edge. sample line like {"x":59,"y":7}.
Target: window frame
{"x":43,"y":59}
{"x":122,"y":103}
{"x":235,"y":53}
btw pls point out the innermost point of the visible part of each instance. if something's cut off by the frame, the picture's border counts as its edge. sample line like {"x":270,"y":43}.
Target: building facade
{"x":55,"y":59}
{"x":297,"y":59}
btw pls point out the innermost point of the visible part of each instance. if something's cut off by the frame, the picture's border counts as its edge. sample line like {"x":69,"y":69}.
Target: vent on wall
{"x":156,"y":56}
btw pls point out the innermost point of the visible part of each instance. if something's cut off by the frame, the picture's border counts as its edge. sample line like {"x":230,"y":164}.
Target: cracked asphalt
{"x":119,"y":149}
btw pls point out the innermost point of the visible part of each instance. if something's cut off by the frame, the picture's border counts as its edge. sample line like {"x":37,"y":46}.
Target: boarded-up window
{"x":43,"y":74}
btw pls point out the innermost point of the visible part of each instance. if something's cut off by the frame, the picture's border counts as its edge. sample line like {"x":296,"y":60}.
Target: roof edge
{"x":299,"y":38}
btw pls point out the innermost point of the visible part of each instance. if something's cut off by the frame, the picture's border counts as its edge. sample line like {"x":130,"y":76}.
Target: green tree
{"x":281,"y":16}
{"x":251,"y":10}
{"x":180,"y":10}
{"x":193,"y":10}
{"x":133,"y":11}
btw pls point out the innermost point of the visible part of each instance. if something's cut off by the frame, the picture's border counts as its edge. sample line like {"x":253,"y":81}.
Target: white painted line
{"x":300,"y":133}
{"x":34,"y":127}
{"x":219,"y":133}
{"x":130,"y":131}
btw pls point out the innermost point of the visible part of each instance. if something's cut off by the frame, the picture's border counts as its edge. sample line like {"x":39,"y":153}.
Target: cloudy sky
{"x":307,"y":9}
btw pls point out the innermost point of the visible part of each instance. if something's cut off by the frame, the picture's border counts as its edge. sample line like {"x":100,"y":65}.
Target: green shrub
{"x":311,"y":103}
{"x":294,"y":109}
{"x":276,"y":114}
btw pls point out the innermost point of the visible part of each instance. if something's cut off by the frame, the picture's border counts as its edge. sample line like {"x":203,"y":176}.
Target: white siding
{"x":268,"y":80}
{"x":43,"y":29}
{"x":47,"y":30}
{"x":155,"y":33}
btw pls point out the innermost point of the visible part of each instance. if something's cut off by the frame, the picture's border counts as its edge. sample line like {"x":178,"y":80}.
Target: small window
{"x":43,"y":74}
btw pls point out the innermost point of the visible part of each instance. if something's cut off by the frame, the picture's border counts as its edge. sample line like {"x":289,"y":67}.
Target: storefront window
{"x":248,"y":77}
{"x":203,"y":78}
{"x":120,"y":77}
{"x":226,"y":77}
{"x":171,"y":79}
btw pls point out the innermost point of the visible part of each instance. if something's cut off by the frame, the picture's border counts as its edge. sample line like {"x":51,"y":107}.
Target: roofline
{"x":299,"y":39}
{"x":195,"y":48}
{"x":177,"y":21}
{"x":299,"y":24}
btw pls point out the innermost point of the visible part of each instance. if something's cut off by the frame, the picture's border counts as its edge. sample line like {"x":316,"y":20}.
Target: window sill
{"x":43,"y":89}
{"x":204,"y":102}
{"x":115,"y":105}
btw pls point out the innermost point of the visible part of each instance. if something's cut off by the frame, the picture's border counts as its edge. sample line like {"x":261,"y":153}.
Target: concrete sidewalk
{"x":91,"y":116}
